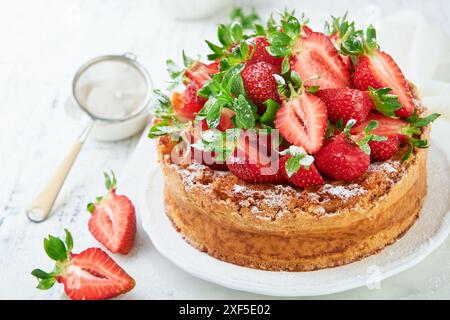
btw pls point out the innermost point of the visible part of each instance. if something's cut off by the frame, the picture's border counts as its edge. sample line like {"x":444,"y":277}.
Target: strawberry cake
{"x":292,"y":149}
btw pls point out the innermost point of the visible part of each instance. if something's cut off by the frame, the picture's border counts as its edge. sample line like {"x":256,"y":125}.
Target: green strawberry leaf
{"x":247,"y":21}
{"x":269,"y":115}
{"x":55,"y":248}
{"x":46,"y":284}
{"x":385,"y":102}
{"x":69,"y":240}
{"x":298,"y":159}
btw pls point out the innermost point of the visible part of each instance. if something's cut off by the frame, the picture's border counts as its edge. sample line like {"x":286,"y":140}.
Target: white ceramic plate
{"x":426,"y":235}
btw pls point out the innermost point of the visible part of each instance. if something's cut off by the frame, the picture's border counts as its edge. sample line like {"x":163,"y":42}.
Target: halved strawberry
{"x":258,"y":47}
{"x":255,"y":162}
{"x":379,"y":70}
{"x":342,"y":159}
{"x":387,"y":127}
{"x":88,"y":275}
{"x":199,"y":73}
{"x":260,"y":84}
{"x":338,"y":30}
{"x":187,"y":104}
{"x":315,"y":55}
{"x":304,"y":177}
{"x":113,"y":220}
{"x":302,"y":121}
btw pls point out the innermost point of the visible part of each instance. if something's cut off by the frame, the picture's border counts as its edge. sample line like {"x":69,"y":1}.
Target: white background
{"x":42,"y":43}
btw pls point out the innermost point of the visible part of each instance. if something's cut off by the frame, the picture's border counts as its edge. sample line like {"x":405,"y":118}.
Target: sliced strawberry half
{"x":315,"y":55}
{"x":89,"y":275}
{"x":199,"y":73}
{"x":187,"y":104}
{"x":379,"y":70}
{"x":113,"y":220}
{"x":303,"y":121}
{"x":255,"y":162}
{"x":386,"y":126}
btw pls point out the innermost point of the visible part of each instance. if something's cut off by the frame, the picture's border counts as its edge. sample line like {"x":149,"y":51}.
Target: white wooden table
{"x":42,"y":44}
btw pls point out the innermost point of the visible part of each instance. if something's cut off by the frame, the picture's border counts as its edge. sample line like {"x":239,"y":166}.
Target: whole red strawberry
{"x":342,"y":159}
{"x":88,"y":275}
{"x":346,"y":104}
{"x":255,"y":162}
{"x":259,"y":83}
{"x":258,"y":47}
{"x":113,"y":220}
{"x":384,"y":150}
{"x":300,"y":175}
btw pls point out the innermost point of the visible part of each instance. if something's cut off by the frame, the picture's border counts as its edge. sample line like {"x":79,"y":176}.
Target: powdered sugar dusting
{"x":388,"y":166}
{"x":344,"y":192}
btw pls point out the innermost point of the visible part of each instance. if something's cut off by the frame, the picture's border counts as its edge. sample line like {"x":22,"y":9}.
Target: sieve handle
{"x":42,"y":204}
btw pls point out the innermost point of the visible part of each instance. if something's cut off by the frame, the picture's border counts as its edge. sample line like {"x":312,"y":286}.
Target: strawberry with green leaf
{"x":339,"y":30}
{"x":302,"y":118}
{"x":347,"y":157}
{"x":88,"y":275}
{"x":308,"y":55}
{"x":347,"y":103}
{"x":298,"y":168}
{"x":377,"y":69}
{"x":113,"y":219}
{"x":398,"y":131}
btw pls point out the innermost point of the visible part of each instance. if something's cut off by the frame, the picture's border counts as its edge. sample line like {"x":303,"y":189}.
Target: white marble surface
{"x":42,"y":43}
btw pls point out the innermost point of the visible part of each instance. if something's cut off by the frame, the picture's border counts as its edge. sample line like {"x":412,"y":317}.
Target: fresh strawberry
{"x":303,"y":176}
{"x":113,"y":220}
{"x":377,"y":69}
{"x":260,"y":84}
{"x":338,"y":31}
{"x":199,"y":73}
{"x":88,"y":275}
{"x":302,"y":121}
{"x":387,"y":127}
{"x":384,"y":150}
{"x":258,"y":47}
{"x":306,"y":31}
{"x":346,"y":103}
{"x":255,"y":162}
{"x":315,"y":55}
{"x":187,"y":104}
{"x":342,"y":159}
{"x":226,"y":121}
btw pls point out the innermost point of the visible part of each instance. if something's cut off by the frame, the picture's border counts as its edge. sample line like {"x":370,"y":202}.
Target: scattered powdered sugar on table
{"x":344,"y":192}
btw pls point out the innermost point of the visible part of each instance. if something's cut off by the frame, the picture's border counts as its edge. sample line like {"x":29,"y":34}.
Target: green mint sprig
{"x":220,"y":144}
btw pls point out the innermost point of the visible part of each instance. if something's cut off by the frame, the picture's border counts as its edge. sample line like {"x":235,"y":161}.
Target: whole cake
{"x":293,"y":150}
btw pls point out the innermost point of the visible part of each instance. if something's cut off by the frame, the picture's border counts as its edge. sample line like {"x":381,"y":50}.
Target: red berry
{"x":303,"y":121}
{"x":346,"y":104}
{"x":379,"y":70}
{"x":200,"y":72}
{"x":303,"y":178}
{"x":315,"y":55}
{"x":254,"y":162}
{"x":259,"y":83}
{"x":187,"y":104}
{"x":113,"y":220}
{"x":384,"y":150}
{"x":386,"y":126}
{"x":260,"y":54}
{"x":342,"y":159}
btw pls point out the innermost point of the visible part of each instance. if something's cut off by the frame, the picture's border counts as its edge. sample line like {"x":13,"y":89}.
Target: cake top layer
{"x":282,"y":104}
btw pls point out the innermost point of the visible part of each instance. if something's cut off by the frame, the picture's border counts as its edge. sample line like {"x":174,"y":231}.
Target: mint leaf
{"x":245,"y":115}
{"x":161,"y":106}
{"x":166,"y":127}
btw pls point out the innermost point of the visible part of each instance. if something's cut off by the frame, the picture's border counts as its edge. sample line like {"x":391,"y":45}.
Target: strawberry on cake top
{"x":334,"y":101}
